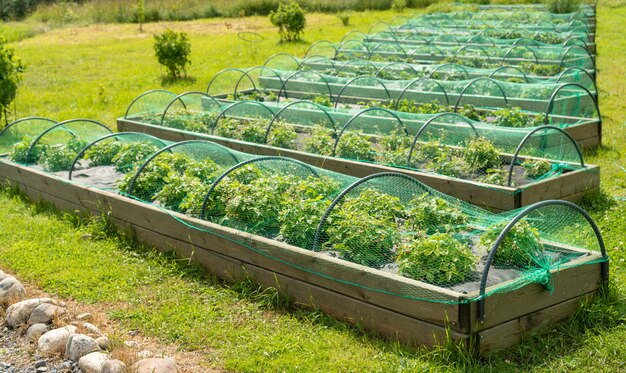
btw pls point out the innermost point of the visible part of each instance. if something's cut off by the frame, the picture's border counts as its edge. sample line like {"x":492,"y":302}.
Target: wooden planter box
{"x":569,"y":186}
{"x":233,"y":255}
{"x":586,"y":131}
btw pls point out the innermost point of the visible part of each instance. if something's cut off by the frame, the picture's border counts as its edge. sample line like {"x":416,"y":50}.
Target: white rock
{"x":35,"y":331}
{"x":92,"y":329}
{"x":11,"y":290}
{"x":3,"y":275}
{"x":114,"y":366}
{"x":54,"y":341}
{"x":131,"y":344}
{"x":45,"y":314}
{"x":144,"y":354}
{"x":154,"y":365}
{"x":103,"y":342}
{"x":84,"y":316}
{"x":79,"y":345}
{"x":19,"y":313}
{"x":93,"y":362}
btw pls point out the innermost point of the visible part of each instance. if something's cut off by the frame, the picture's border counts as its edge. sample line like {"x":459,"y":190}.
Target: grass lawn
{"x":95,"y":72}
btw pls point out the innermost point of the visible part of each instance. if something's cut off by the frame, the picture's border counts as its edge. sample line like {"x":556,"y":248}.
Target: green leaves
{"x":172,"y":50}
{"x":520,"y":248}
{"x":11,"y":69}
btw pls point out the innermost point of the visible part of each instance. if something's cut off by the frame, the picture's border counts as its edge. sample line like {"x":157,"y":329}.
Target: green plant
{"x":290,"y":20}
{"x":300,"y":219}
{"x":514,"y":117}
{"x":540,"y":69}
{"x":380,"y":206}
{"x":395,"y":148}
{"x":254,"y":130}
{"x":282,"y":135}
{"x":439,"y":259}
{"x":398,"y":5}
{"x":321,"y":141}
{"x":344,"y":18}
{"x":102,"y":153}
{"x":130,"y":155}
{"x":322,"y":100}
{"x":141,"y":14}
{"x":19,"y":152}
{"x":470,"y":112}
{"x":480,"y":155}
{"x":536,"y":168}
{"x":520,"y":247}
{"x":495,"y":176}
{"x":172,"y":51}
{"x":57,"y":158}
{"x":431,"y":214}
{"x":563,"y":6}
{"x":354,"y":145}
{"x":11,"y":69}
{"x":228,"y":127}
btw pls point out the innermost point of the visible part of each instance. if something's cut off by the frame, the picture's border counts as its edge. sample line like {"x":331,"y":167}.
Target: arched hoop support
{"x":379,"y":81}
{"x":180,"y":98}
{"x":418,"y":80}
{"x":471,"y":83}
{"x":237,"y":104}
{"x":283,"y":87}
{"x":284,"y":108}
{"x":148,"y":93}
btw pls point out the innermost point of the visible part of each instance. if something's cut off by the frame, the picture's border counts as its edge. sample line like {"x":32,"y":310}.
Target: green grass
{"x":95,"y":71}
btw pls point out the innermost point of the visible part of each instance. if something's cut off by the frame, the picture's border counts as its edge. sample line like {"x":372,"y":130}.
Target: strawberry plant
{"x":514,"y":117}
{"x":132,"y":154}
{"x":395,"y":148}
{"x":57,"y":158}
{"x":253,"y":130}
{"x":480,"y":155}
{"x":439,"y":259}
{"x":102,"y":153}
{"x":228,"y":127}
{"x":539,"y":69}
{"x":300,"y":219}
{"x":19,"y":152}
{"x":282,"y":135}
{"x":430,"y":214}
{"x":519,"y":248}
{"x":355,"y":145}
{"x":495,"y":176}
{"x":536,"y":168}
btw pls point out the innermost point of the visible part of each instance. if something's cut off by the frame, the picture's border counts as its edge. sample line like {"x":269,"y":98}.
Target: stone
{"x":154,"y":365}
{"x":103,"y":343}
{"x":131,"y":344}
{"x":114,"y":366}
{"x":45,"y":314}
{"x":40,"y":363}
{"x":42,"y":369}
{"x":79,"y":345}
{"x":92,"y":329}
{"x":11,"y":290}
{"x":93,"y":362}
{"x":144,"y":354}
{"x":35,"y":331}
{"x":84,"y":317}
{"x":19,"y":313}
{"x":54,"y":341}
{"x":3,"y":275}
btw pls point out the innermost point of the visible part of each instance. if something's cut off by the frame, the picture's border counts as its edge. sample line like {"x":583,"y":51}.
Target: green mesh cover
{"x":443,"y":249}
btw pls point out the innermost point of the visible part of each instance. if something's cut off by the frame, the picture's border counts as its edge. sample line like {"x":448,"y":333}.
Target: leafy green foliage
{"x":321,"y":141}
{"x":430,"y":214}
{"x":520,"y":248}
{"x":536,"y":168}
{"x":515,"y":117}
{"x":172,"y":51}
{"x":439,"y":259}
{"x":563,"y":6}
{"x":470,"y":112}
{"x":194,"y":121}
{"x":102,"y":153}
{"x":480,"y":155}
{"x":354,"y":145}
{"x":254,"y":130}
{"x":19,"y":152}
{"x":132,"y":154}
{"x":395,"y":148}
{"x":290,"y":20}
{"x":11,"y":69}
{"x":540,"y":69}
{"x":322,"y":100}
{"x":300,"y":220}
{"x":282,"y":135}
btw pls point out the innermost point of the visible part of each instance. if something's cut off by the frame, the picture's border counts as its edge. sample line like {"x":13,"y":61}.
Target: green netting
{"x":521,"y":151}
{"x":521,"y":16}
{"x":104,"y":162}
{"x":22,"y":129}
{"x":575,"y":25}
{"x":382,"y":226}
{"x":407,"y":71}
{"x":53,"y":148}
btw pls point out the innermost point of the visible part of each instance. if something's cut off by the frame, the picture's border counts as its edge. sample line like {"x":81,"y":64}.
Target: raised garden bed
{"x":400,"y":308}
{"x":570,"y":185}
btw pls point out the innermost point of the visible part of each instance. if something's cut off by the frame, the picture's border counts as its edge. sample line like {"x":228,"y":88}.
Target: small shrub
{"x":130,"y":155}
{"x":519,"y":248}
{"x":254,"y":130}
{"x":536,"y":168}
{"x":300,"y":220}
{"x":398,"y":5}
{"x":439,"y":259}
{"x":290,"y":20}
{"x":513,"y":117}
{"x":344,"y":18}
{"x":102,"y":154}
{"x":371,"y":202}
{"x":58,"y":158}
{"x":228,"y":127}
{"x":11,"y":69}
{"x":480,"y":155}
{"x":172,"y":51}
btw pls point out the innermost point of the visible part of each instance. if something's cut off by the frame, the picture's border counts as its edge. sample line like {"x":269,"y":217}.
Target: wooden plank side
{"x":567,"y":282}
{"x":510,"y":333}
{"x":153,"y":218}
{"x":560,"y":187}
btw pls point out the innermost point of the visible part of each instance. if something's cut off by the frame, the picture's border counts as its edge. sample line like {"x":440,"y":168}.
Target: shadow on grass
{"x":169,"y":80}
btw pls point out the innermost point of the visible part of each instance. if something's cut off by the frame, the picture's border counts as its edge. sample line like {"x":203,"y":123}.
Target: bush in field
{"x":290,"y":20}
{"x":172,"y":51}
{"x":11,"y":69}
{"x":563,"y":6}
{"x":16,"y":9}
